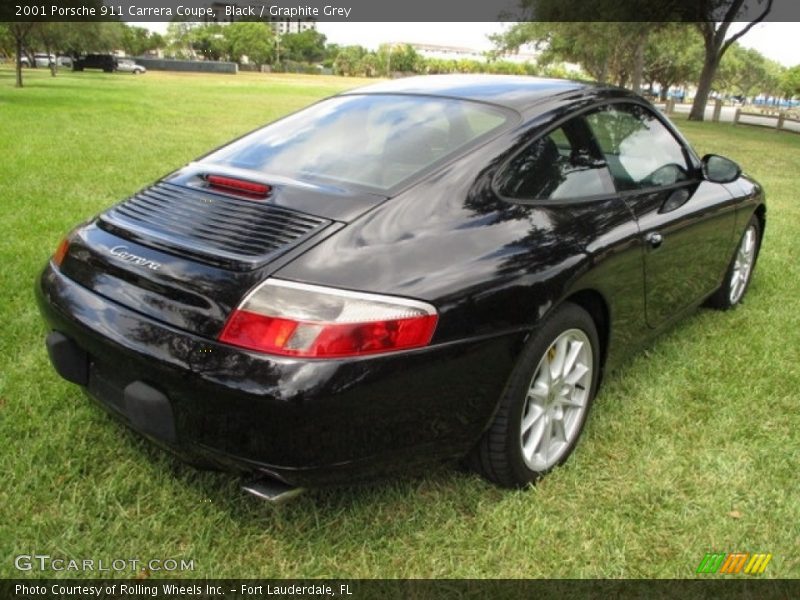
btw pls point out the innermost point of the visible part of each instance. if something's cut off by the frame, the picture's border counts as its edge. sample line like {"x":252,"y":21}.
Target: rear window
{"x":376,"y":141}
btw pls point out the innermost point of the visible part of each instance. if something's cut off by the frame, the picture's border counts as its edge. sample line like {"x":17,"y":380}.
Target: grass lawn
{"x":691,"y":447}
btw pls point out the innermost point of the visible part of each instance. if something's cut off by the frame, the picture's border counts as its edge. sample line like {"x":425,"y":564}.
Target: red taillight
{"x":238,"y":186}
{"x":291,"y":319}
{"x":61,"y":252}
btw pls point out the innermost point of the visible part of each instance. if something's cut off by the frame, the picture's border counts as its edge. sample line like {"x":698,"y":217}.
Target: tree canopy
{"x":611,"y":43}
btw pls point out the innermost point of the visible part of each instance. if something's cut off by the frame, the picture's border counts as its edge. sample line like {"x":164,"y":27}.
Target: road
{"x":728,"y":113}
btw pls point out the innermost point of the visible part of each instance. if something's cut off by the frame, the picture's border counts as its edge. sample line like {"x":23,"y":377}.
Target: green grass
{"x":691,"y":447}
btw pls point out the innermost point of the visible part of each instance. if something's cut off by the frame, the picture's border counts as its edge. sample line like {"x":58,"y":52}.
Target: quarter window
{"x":639,"y":150}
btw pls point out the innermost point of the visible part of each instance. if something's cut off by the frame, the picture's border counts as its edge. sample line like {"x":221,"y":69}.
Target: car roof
{"x":511,"y":91}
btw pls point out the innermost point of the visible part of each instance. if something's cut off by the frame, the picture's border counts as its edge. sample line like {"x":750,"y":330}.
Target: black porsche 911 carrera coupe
{"x":422,"y":269}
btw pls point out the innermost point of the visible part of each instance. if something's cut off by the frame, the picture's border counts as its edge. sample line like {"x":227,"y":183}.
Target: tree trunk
{"x":662,"y":95}
{"x":603,"y":72}
{"x":52,"y":64}
{"x":638,"y":64}
{"x":710,"y":65}
{"x":19,"y":61}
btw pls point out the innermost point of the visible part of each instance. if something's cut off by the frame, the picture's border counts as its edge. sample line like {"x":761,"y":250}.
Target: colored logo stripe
{"x":711,"y":563}
{"x":757,"y":564}
{"x":734,"y":563}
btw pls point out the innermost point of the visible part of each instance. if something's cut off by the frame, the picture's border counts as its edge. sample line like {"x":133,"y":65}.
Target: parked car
{"x":427,"y":268}
{"x":128,"y":65}
{"x":106,"y":62}
{"x":44,"y":60}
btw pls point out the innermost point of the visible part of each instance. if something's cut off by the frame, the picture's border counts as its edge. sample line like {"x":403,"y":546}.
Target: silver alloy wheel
{"x":743,"y":265}
{"x":557,"y":398}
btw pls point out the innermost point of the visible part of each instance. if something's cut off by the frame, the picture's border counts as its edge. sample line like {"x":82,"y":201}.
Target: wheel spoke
{"x":559,"y":431}
{"x":575,"y":348}
{"x":534,"y":439}
{"x":534,"y":413}
{"x":572,"y":400}
{"x":557,"y":364}
{"x":544,"y":440}
{"x":539,"y":391}
{"x":577,"y":374}
{"x":544,"y":376}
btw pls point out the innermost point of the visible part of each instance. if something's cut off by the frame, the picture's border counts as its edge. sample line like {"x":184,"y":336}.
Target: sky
{"x":778,"y":41}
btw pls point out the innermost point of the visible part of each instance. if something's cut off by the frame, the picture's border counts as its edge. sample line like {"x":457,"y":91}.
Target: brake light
{"x":61,"y":252}
{"x":294,"y":319}
{"x":239,"y":186}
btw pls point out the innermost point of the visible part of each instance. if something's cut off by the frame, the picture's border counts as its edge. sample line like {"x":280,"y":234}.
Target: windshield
{"x":372,"y":140}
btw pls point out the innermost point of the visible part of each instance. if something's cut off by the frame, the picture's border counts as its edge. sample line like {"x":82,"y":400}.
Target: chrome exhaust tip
{"x":272,"y":490}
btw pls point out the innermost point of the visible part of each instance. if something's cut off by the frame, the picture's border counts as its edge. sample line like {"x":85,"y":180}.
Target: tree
{"x":609,"y":41}
{"x":368,"y":65}
{"x":714,"y":18}
{"x":209,"y":41}
{"x":178,"y":39}
{"x":72,"y":38}
{"x":252,"y":39}
{"x":771,"y":84}
{"x":331,"y":52}
{"x":673,"y":56}
{"x":6,"y":40}
{"x":403,"y":59}
{"x":20,"y":31}
{"x":742,"y":70}
{"x":607,"y":51}
{"x":790,"y":82}
{"x":348,"y":59}
{"x":76,"y":38}
{"x":307,"y":46}
{"x":51,"y":37}
{"x":138,"y":40}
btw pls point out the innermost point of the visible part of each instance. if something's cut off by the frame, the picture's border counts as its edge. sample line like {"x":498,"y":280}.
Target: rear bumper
{"x":307,"y":422}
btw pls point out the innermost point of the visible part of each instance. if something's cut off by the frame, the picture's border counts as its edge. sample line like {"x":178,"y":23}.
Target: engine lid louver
{"x":213,"y":228}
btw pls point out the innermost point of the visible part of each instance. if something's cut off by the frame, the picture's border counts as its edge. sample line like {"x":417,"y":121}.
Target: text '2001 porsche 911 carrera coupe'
{"x":423,"y":269}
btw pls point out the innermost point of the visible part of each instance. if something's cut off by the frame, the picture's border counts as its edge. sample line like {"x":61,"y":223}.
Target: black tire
{"x":498,"y":456}
{"x":723,"y":298}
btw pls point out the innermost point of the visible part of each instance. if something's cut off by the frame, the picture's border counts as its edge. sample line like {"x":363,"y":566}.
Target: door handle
{"x":655,"y":239}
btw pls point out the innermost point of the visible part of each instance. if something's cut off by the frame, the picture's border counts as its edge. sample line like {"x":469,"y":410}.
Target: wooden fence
{"x":780,"y":117}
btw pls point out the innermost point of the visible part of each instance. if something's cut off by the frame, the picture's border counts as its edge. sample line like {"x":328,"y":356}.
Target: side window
{"x":639,"y":150}
{"x":556,"y":166}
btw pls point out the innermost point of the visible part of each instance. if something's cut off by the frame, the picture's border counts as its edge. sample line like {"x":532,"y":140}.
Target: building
{"x":292,"y":25}
{"x":440,"y":52}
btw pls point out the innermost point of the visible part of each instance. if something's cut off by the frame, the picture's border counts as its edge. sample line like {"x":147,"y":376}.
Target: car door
{"x":578,"y":218}
{"x":686,"y":223}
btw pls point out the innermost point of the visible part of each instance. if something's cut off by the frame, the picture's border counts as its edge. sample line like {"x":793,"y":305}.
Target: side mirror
{"x":719,"y":169}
